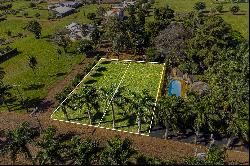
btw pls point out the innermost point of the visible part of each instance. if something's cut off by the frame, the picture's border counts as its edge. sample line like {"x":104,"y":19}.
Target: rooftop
{"x":63,"y":9}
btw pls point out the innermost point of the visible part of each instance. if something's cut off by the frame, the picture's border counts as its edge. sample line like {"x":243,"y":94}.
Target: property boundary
{"x":157,"y":96}
{"x":98,"y":126}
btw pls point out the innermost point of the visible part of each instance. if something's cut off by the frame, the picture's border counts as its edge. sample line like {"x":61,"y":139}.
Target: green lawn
{"x":50,"y":69}
{"x":239,"y":22}
{"x":138,"y":77}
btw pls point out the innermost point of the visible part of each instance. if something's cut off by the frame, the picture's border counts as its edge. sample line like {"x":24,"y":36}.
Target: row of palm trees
{"x":90,"y":98}
{"x":53,"y":148}
{"x":195,"y":112}
{"x":67,"y":149}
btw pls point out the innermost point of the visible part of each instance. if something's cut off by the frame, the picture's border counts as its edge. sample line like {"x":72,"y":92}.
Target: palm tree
{"x":200,"y":112}
{"x":81,"y":152}
{"x":51,"y":148}
{"x":18,"y":140}
{"x":64,"y":107}
{"x":4,"y":92}
{"x":34,"y":27}
{"x":87,"y":98}
{"x":167,"y":108}
{"x":32,"y":63}
{"x":117,"y":100}
{"x":142,"y":104}
{"x":117,"y":152}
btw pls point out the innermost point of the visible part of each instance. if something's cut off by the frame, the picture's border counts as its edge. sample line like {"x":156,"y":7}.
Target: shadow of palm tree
{"x":106,"y":62}
{"x":101,"y":69}
{"x":90,"y":81}
{"x":34,"y":87}
{"x":96,"y":75}
{"x":98,"y":115}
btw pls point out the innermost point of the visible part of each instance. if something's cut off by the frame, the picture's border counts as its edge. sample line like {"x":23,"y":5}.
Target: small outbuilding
{"x":63,"y":11}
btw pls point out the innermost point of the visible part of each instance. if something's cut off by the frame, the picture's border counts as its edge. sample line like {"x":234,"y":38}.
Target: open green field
{"x":51,"y":67}
{"x":136,"y":77}
{"x":239,"y":22}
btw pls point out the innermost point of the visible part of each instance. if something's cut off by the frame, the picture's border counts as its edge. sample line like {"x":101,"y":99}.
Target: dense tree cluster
{"x":207,"y":46}
{"x":54,"y":148}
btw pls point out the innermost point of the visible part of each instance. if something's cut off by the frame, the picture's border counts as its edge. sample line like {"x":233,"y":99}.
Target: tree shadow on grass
{"x":96,"y":75}
{"x":34,"y":87}
{"x":36,"y":102}
{"x":97,"y":116}
{"x":58,"y":74}
{"x":79,"y":118}
{"x":106,"y":62}
{"x":239,"y":14}
{"x":90,"y":81}
{"x":101,"y":69}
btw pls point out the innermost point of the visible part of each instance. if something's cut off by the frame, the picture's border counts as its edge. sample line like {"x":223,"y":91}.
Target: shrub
{"x":85,"y":46}
{"x":235,"y":9}
{"x":152,"y":55}
{"x":32,"y":4}
{"x":37,"y":15}
{"x":189,"y":67}
{"x":5,"y":6}
{"x":25,"y":14}
{"x":8,"y":33}
{"x":91,"y":16}
{"x":219,"y":8}
{"x":200,"y":5}
{"x":215,"y":156}
{"x":62,"y":95}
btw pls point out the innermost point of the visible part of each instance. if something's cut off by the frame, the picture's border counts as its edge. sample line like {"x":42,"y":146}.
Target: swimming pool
{"x":174,"y":88}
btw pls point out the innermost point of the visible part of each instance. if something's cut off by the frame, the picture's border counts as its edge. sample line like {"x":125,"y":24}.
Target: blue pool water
{"x":174,"y":88}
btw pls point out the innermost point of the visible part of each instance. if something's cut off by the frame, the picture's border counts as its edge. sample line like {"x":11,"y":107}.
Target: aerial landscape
{"x":124,"y":82}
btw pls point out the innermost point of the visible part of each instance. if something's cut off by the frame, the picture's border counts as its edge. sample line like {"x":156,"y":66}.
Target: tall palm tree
{"x":64,"y":107}
{"x":81,"y":152}
{"x":167,"y":108}
{"x":87,"y":98}
{"x":117,"y":100}
{"x":4,"y":93}
{"x":142,"y":104}
{"x":51,"y":148}
{"x":199,"y":108}
{"x":18,"y":140}
{"x":117,"y":152}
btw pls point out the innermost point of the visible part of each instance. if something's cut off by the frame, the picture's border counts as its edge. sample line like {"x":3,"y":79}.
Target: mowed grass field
{"x":239,"y":22}
{"x":136,"y":77}
{"x":51,"y":67}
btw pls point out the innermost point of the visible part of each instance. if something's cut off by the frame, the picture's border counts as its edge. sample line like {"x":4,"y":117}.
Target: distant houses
{"x":64,"y":9}
{"x":115,"y":12}
{"x":77,"y":31}
{"x":118,"y":9}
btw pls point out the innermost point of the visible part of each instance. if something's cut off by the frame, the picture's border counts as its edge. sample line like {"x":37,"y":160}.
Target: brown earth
{"x":162,"y":149}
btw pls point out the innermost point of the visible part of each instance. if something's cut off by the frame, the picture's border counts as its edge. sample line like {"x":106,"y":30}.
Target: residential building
{"x":115,"y":12}
{"x":63,"y":11}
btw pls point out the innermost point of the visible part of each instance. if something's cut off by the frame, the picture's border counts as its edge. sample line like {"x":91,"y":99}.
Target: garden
{"x":115,"y":84}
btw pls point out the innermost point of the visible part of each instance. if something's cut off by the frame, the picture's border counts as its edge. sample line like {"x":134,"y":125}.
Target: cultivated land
{"x":108,"y":74}
{"x":239,"y":22}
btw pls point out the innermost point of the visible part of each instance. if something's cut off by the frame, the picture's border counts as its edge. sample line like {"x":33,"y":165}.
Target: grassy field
{"x":50,"y":68}
{"x":239,"y":22}
{"x":137,"y":77}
